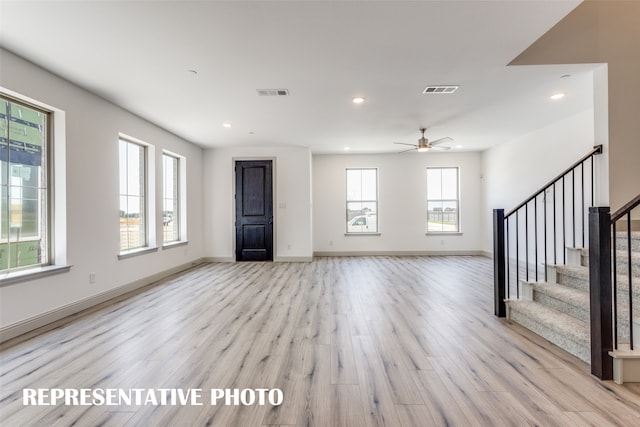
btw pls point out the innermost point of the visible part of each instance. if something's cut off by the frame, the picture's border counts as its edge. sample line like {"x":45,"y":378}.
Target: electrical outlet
{"x":92,"y":277}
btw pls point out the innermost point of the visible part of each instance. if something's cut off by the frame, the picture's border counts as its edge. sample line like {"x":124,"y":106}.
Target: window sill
{"x":32,"y":274}
{"x":444,"y":233}
{"x":136,"y":252}
{"x":362,"y":234}
{"x":175,"y":244}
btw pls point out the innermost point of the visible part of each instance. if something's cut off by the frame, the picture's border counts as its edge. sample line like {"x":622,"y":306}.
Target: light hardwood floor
{"x":362,"y":341}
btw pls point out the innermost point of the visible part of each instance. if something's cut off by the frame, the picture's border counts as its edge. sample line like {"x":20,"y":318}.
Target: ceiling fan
{"x":424,"y":144}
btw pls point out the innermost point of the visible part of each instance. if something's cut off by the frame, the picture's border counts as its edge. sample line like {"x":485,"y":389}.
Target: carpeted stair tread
{"x":578,"y":277}
{"x":578,"y":271}
{"x":622,"y":261}
{"x":622,"y":242}
{"x":576,"y":297}
{"x":561,"y":329}
{"x":565,"y":299}
{"x":579,"y":299}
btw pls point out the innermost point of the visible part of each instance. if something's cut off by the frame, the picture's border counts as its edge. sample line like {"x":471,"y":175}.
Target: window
{"x":362,"y":201}
{"x":443,"y":213}
{"x":24,"y":186}
{"x":171,"y":212}
{"x":133,"y":195}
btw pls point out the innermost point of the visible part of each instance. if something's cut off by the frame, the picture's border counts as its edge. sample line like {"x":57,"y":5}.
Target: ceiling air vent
{"x":440,"y":89}
{"x":272,"y":92}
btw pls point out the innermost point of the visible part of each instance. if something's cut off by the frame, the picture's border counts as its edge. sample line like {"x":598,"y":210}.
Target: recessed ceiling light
{"x":358,"y":100}
{"x":226,"y":125}
{"x":347,"y":148}
{"x":458,"y":146}
{"x":557,"y":96}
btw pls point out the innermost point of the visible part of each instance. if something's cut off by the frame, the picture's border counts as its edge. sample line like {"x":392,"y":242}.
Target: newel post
{"x":600,"y":294}
{"x":499,"y":284}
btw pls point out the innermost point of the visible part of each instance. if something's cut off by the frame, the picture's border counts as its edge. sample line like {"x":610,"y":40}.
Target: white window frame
{"x":375,"y":201}
{"x":56,"y":261}
{"x":149,"y":200}
{"x":457,"y":229}
{"x":180,"y":199}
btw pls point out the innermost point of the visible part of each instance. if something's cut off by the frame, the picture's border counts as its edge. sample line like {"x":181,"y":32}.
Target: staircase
{"x":558,"y":309}
{"x":579,"y":299}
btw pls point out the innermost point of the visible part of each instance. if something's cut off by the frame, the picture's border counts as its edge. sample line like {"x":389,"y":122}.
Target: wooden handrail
{"x":625,"y":209}
{"x":596,"y":150}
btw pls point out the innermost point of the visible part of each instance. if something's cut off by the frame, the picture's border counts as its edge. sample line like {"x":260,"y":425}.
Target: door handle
{"x":271,"y":221}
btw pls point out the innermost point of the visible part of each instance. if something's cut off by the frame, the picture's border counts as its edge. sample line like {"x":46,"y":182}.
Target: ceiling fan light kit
{"x":425,"y":145}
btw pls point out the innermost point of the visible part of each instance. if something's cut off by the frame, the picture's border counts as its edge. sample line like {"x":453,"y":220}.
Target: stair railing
{"x":604,"y":276}
{"x":536,"y":232}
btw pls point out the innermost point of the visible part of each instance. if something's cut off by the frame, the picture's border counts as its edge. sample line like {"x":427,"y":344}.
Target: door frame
{"x":235,"y":159}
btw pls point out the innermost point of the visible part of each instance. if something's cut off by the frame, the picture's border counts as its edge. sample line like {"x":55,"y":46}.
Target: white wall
{"x":402,"y":205}
{"x":514,"y":170}
{"x":92,"y":128}
{"x":292,"y":201}
{"x":604,"y":32}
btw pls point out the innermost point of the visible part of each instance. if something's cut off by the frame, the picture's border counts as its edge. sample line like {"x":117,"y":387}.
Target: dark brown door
{"x":254,"y":211}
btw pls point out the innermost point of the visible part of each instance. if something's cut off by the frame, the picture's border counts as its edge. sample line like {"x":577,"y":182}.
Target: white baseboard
{"x":398,"y":253}
{"x":487,"y":254}
{"x":276,"y":259}
{"x":219,"y":259}
{"x":293,"y":259}
{"x":16,"y":329}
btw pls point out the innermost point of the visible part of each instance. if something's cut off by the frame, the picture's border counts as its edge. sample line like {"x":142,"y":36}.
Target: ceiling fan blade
{"x":439,"y":148}
{"x":404,"y":151}
{"x":441,"y":140}
{"x":404,"y":143}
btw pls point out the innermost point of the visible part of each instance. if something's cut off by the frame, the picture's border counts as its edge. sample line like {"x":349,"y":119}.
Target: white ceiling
{"x":138,"y":54}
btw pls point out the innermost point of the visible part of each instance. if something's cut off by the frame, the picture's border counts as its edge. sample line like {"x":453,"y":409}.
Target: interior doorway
{"x":254,"y":210}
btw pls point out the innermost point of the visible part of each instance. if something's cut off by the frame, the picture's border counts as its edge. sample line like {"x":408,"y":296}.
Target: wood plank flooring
{"x":351,"y":341}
